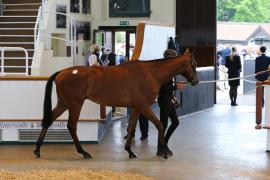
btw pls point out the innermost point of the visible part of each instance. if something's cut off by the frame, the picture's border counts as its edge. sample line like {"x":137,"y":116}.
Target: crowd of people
{"x":229,"y":66}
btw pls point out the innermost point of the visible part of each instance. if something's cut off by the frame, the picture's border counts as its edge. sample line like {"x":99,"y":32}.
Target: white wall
{"x":32,"y":94}
{"x":163,"y":11}
{"x":155,"y":41}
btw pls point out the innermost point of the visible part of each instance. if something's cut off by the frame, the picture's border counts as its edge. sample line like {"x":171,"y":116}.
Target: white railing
{"x":3,"y":49}
{"x":43,"y":4}
{"x":1,"y":8}
{"x":38,"y":25}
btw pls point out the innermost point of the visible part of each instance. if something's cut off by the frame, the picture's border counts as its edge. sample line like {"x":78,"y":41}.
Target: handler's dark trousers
{"x":144,"y":125}
{"x":168,"y":110}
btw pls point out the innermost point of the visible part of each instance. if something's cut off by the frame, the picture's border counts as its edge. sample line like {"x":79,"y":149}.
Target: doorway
{"x":121,"y":40}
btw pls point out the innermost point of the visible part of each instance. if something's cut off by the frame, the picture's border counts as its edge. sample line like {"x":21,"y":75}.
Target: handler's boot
{"x":160,"y":152}
{"x":169,"y":152}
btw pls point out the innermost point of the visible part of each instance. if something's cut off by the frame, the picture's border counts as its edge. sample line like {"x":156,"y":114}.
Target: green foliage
{"x":244,"y":10}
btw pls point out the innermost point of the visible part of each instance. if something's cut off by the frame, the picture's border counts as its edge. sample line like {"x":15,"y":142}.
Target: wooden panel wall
{"x":197,"y":98}
{"x":196,"y":28}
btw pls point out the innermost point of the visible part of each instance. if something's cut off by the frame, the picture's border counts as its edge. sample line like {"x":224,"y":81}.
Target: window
{"x":75,"y":6}
{"x":129,"y":8}
{"x":259,"y":41}
{"x":86,"y":6}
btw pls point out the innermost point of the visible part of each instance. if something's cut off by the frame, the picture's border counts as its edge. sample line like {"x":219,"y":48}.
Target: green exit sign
{"x":124,"y":23}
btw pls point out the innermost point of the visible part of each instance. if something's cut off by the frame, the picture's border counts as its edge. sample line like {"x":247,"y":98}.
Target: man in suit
{"x":261,"y":64}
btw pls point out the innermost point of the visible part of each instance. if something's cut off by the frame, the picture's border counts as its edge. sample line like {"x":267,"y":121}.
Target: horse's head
{"x":191,"y":72}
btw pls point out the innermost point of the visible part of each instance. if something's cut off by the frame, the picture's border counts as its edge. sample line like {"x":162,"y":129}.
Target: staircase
{"x":17,"y":30}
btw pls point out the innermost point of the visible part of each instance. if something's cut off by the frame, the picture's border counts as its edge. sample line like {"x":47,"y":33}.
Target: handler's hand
{"x":180,"y":85}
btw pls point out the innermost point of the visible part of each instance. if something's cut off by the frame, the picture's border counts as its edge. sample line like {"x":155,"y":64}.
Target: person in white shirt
{"x":93,"y":58}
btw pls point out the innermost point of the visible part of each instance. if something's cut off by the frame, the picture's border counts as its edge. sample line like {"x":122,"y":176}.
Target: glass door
{"x":131,"y":43}
{"x":124,"y":44}
{"x":103,"y":39}
{"x":120,"y":46}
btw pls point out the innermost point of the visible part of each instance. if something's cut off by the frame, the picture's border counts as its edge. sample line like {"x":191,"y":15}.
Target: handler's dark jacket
{"x":261,"y":64}
{"x":166,"y":91}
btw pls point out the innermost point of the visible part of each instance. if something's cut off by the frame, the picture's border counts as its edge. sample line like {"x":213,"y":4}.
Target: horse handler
{"x":167,"y":106}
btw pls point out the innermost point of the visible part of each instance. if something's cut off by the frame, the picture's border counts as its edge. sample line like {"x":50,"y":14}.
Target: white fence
{"x":3,"y":49}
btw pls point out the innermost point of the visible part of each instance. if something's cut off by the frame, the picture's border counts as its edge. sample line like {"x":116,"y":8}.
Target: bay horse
{"x":133,"y":84}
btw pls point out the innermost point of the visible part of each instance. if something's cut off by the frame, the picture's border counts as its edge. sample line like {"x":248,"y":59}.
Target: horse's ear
{"x":187,"y":51}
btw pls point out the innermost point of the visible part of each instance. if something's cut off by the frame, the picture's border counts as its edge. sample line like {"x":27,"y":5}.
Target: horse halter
{"x":193,"y":63}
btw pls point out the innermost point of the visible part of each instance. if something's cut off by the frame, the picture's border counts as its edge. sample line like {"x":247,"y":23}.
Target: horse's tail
{"x":47,"y":106}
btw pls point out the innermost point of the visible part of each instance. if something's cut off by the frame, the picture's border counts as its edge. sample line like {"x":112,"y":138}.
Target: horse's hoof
{"x":87,"y":156}
{"x":165,"y":156}
{"x":132,"y":156}
{"x":37,"y":153}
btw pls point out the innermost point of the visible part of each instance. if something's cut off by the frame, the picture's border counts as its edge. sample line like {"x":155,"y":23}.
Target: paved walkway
{"x":247,"y":99}
{"x":220,"y":143}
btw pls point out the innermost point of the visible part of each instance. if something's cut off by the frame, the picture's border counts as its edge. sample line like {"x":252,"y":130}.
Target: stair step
{"x":22,"y":6}
{"x":18,"y":19}
{"x":17,"y":71}
{"x":14,"y":10}
{"x":18,"y":39}
{"x":17,"y":58}
{"x":16,"y":32}
{"x":17,"y":25}
{"x":24,"y":12}
{"x":16,"y":29}
{"x":18,"y":53}
{"x":10,"y":43}
{"x":20,"y":1}
{"x":16,"y":62}
{"x":16,"y":66}
{"x":18,"y":44}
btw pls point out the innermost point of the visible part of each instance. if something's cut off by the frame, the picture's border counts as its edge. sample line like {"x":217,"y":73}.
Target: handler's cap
{"x":169,"y":53}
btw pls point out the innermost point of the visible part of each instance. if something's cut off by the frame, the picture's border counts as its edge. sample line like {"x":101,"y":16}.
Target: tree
{"x":243,"y":10}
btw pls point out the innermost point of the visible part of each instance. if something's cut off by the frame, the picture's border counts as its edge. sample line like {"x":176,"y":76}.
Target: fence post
{"x":259,"y":105}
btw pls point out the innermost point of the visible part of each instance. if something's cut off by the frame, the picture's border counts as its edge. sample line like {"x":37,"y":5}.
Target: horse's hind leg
{"x":74,"y":113}
{"x":147,"y":112}
{"x":57,"y":111}
{"x":131,"y":127}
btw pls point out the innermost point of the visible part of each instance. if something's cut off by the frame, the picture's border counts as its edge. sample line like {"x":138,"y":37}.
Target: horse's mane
{"x":148,"y":61}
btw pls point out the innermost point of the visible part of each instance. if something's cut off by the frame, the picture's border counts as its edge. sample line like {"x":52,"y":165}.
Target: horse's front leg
{"x":74,"y":114}
{"x":147,"y":112}
{"x":131,"y":128}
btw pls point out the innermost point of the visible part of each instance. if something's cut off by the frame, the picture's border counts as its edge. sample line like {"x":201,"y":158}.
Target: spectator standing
{"x":233,"y":63}
{"x":93,"y":58}
{"x":261,"y":64}
{"x":222,"y":68}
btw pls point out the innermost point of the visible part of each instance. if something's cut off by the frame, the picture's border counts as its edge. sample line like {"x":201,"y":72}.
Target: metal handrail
{"x":3,"y":49}
{"x":37,"y":27}
{"x":72,"y":35}
{"x":1,"y":8}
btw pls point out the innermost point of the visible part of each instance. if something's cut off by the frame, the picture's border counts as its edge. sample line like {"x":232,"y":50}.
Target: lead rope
{"x":243,"y":77}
